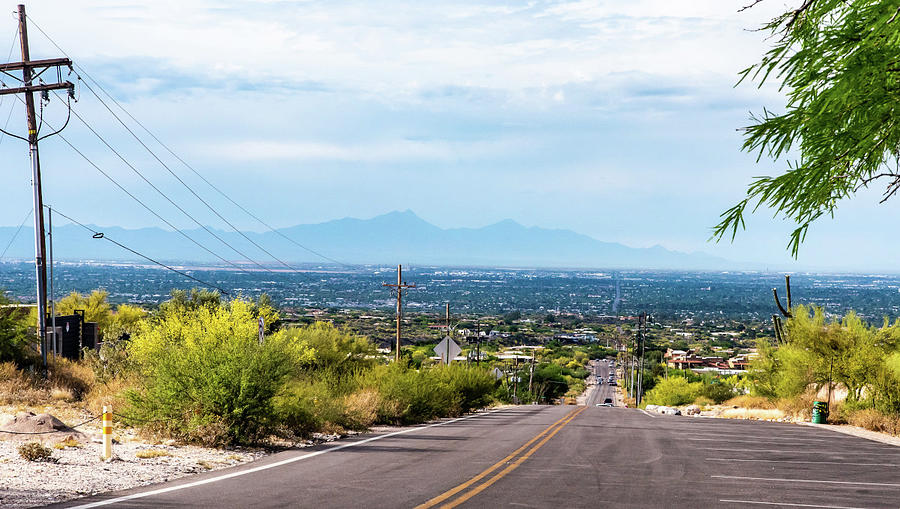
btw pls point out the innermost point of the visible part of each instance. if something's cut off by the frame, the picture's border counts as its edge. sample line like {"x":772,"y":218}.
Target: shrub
{"x":717,"y":391}
{"x":873,"y":420}
{"x":747,"y":401}
{"x":35,"y":451}
{"x":673,"y":392}
{"x":205,"y":377}
{"x":14,"y":339}
{"x":152,"y":453}
{"x":703,"y":401}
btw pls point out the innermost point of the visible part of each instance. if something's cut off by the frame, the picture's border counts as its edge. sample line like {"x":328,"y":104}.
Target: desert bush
{"x":110,"y":361}
{"x":204,"y":375}
{"x":14,"y":339}
{"x":747,"y":401}
{"x":799,"y":406}
{"x":703,"y":401}
{"x":673,"y":392}
{"x":66,"y":375}
{"x":152,"y":453}
{"x":35,"y":451}
{"x":873,"y":420}
{"x":718,"y":391}
{"x":362,"y":408}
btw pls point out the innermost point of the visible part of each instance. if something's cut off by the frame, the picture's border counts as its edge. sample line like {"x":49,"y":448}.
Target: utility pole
{"x":640,"y":392}
{"x":55,"y":348}
{"x":28,"y":88}
{"x":399,"y":287}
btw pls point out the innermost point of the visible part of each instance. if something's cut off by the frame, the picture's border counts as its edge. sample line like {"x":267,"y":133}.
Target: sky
{"x":618,"y":120}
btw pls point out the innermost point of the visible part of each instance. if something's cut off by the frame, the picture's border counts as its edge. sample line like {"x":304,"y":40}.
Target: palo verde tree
{"x":838,"y":63}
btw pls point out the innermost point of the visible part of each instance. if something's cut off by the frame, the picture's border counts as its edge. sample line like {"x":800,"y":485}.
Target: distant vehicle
{"x":613,"y":382}
{"x":608,"y":402}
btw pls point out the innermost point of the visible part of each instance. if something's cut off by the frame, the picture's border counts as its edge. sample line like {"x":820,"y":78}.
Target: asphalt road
{"x":600,"y":371}
{"x":557,"y":456}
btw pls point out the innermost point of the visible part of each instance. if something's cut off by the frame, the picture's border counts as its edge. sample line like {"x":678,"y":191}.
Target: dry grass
{"x":753,"y":402}
{"x":69,"y":442}
{"x":769,"y":414}
{"x":799,"y":407}
{"x":62,"y":394}
{"x":873,"y":420}
{"x":152,"y":453}
{"x":362,"y":407}
{"x":703,"y":402}
{"x":205,"y":464}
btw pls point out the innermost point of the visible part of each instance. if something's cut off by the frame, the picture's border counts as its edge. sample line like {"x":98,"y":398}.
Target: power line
{"x":13,"y":239}
{"x":139,"y":201}
{"x":164,"y":195}
{"x":100,"y":235}
{"x":183,"y":183}
{"x":176,"y":156}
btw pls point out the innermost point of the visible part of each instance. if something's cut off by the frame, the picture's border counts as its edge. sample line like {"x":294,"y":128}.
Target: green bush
{"x":673,"y":392}
{"x":14,"y":339}
{"x":206,"y":378}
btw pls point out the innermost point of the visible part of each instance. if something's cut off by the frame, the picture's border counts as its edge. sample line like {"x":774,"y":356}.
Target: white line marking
{"x":839,"y":453}
{"x":759,"y":502}
{"x":808,"y":481}
{"x":741,"y":437}
{"x":729,"y":439}
{"x":271,"y":465}
{"x":808,"y":462}
{"x":647,"y":413}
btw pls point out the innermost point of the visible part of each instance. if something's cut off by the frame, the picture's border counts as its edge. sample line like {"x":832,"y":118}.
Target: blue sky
{"x":614,"y":119}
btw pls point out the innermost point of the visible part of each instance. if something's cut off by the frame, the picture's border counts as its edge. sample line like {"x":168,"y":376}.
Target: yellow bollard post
{"x":107,"y":433}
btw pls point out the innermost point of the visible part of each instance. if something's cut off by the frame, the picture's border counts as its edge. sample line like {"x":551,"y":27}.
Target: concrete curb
{"x":856,"y":431}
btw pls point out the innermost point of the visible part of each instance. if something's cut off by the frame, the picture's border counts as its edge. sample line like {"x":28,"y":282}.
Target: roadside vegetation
{"x":195,"y":370}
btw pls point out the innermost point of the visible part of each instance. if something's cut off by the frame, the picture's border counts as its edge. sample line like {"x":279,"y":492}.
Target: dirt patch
{"x":28,"y":426}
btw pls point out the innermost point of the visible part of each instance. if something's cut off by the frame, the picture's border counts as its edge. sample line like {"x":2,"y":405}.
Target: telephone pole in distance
{"x":400,"y":287}
{"x":31,"y":70}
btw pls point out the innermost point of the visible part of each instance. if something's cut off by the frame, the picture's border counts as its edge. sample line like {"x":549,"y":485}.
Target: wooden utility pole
{"x":399,"y":288}
{"x":32,"y":69}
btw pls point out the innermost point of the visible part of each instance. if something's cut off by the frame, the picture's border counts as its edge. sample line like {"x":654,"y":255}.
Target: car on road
{"x":613,"y":383}
{"x":608,"y":402}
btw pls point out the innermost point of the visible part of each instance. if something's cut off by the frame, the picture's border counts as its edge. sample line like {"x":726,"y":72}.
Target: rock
{"x":692,"y":410}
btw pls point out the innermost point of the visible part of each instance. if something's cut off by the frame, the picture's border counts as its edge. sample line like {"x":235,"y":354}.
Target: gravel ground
{"x":79,"y":471}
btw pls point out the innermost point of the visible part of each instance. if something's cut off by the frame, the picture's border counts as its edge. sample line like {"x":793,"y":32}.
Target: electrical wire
{"x":183,"y":183}
{"x":139,"y":201}
{"x":164,"y":195}
{"x":13,"y":239}
{"x":101,"y":235}
{"x":172,"y":152}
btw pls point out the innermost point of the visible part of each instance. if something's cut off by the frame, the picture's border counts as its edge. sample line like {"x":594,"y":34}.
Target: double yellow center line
{"x":512,"y":462}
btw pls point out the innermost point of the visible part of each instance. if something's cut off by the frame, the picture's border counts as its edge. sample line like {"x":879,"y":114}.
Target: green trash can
{"x":820,"y":412}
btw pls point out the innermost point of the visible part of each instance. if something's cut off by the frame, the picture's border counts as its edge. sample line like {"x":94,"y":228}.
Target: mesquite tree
{"x":838,"y":63}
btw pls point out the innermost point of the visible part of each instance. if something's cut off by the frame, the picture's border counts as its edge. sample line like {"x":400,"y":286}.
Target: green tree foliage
{"x":863,"y":359}
{"x":333,"y":348}
{"x":14,"y":340}
{"x":838,"y":63}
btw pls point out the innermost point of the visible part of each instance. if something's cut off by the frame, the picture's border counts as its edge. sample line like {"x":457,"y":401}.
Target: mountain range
{"x":395,"y":237}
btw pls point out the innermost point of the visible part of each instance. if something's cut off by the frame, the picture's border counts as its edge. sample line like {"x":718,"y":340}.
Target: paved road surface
{"x":558,"y":456}
{"x":600,"y":371}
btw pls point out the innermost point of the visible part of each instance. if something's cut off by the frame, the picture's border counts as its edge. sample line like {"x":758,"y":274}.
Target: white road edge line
{"x":647,"y":413}
{"x":272,"y":465}
{"x":760,"y":502}
{"x":813,"y":481}
{"x":807,"y":462}
{"x":751,"y":440}
{"x":833,"y":453}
